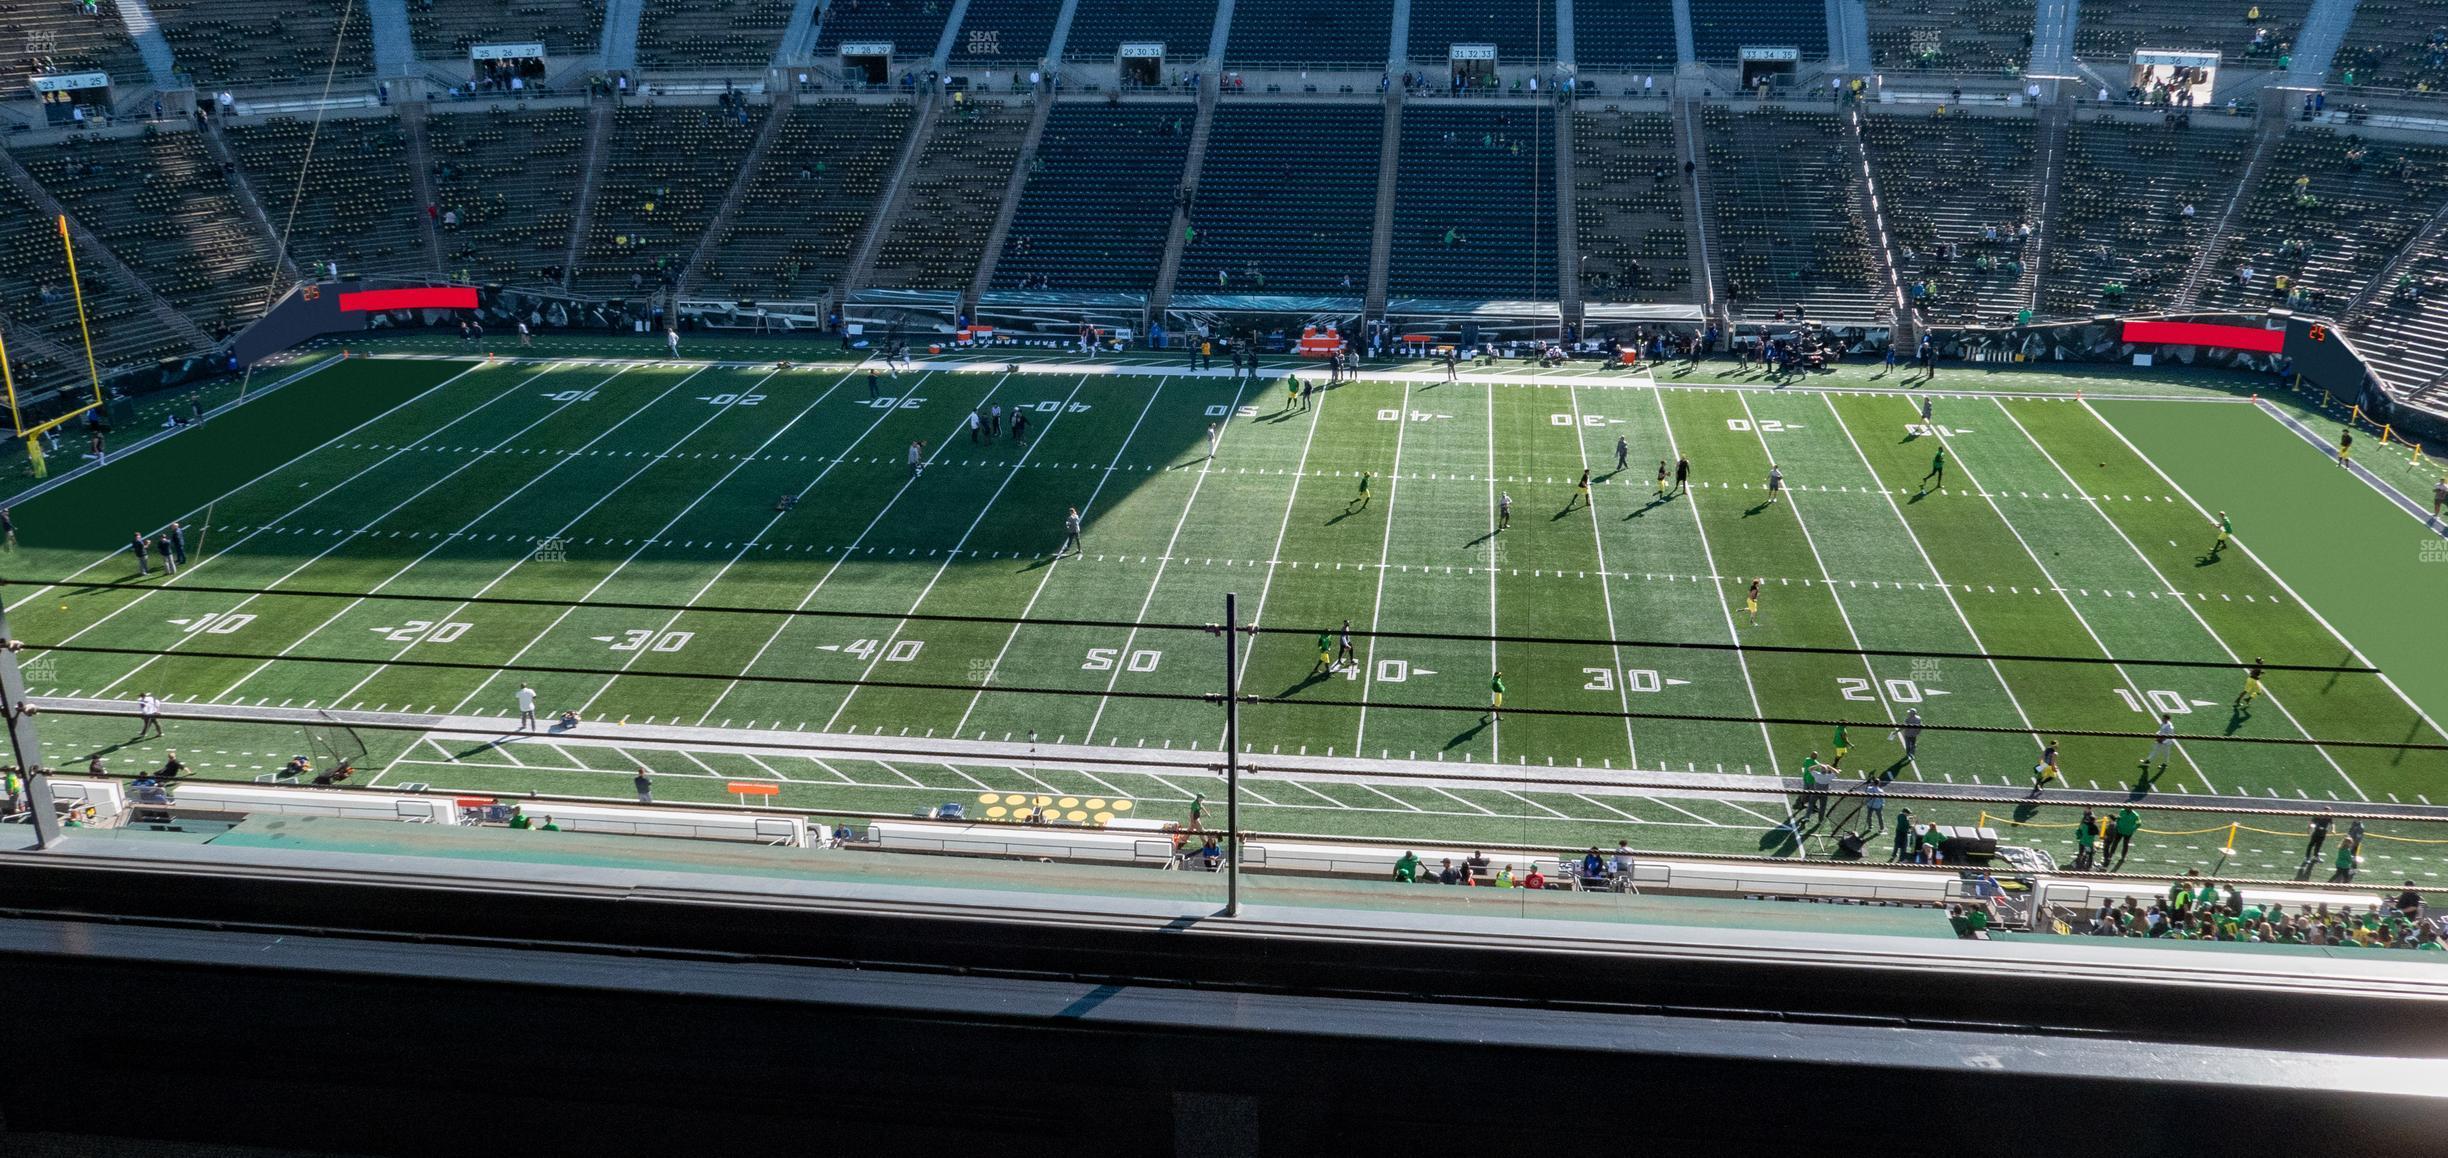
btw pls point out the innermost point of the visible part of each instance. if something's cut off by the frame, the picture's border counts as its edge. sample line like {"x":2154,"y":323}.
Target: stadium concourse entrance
{"x":73,"y":98}
{"x":1769,"y":66}
{"x":867,"y":62}
{"x":506,"y":67}
{"x":2174,"y":79}
{"x":1141,"y":65}
{"x":1473,"y":65}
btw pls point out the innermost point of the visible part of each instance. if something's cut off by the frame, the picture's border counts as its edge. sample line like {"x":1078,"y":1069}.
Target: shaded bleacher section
{"x":2403,"y":333}
{"x":912,"y":27}
{"x":2120,"y":240}
{"x":949,"y":198}
{"x":35,"y":295}
{"x":512,"y":178}
{"x":2396,"y":44}
{"x":2108,"y":31}
{"x":1099,"y":28}
{"x":1474,"y":203}
{"x":807,"y":201}
{"x":1299,"y":32}
{"x":161,"y":203}
{"x":1628,"y":208}
{"x":1010,"y":32}
{"x":1625,"y":34}
{"x":2328,"y":212}
{"x":1790,"y":223}
{"x":356,"y":206}
{"x":713,"y":34}
{"x":1276,"y":220}
{"x":665,"y":171}
{"x":1523,"y":32}
{"x":1099,"y":198}
{"x":1955,"y":192}
{"x":46,"y":37}
{"x":1956,"y":35}
{"x":448,"y":28}
{"x":1721,"y":29}
{"x":249,"y":43}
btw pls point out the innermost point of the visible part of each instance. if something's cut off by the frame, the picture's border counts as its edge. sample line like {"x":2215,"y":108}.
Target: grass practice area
{"x":2019,"y":564}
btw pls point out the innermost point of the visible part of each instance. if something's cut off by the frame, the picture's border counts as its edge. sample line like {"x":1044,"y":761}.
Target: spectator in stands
{"x":1477,"y":865}
{"x":1407,"y":869}
{"x":1535,"y":880}
{"x":644,"y":785}
{"x":1593,"y":866}
{"x":1621,"y":864}
{"x":1447,"y":874}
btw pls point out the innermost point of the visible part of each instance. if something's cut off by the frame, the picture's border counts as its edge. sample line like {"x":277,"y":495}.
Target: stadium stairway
{"x":1192,"y":167}
{"x":620,"y":33}
{"x":1568,"y":232}
{"x":2265,"y":142}
{"x":1874,"y":214}
{"x":1010,"y":208}
{"x":599,"y":133}
{"x":717,"y":225}
{"x":98,"y":257}
{"x":2049,"y":174}
{"x":890,"y":199}
{"x":1381,"y":241}
{"x":412,"y":115}
{"x":1699,"y":227}
{"x":930,"y":239}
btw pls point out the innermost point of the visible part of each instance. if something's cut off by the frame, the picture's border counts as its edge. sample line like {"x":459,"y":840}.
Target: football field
{"x":731,"y":572}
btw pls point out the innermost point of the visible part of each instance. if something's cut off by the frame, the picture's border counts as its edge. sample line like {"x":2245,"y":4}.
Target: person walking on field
{"x":671,"y":339}
{"x":178,"y":542}
{"x":1623,"y":452}
{"x":1212,"y":435}
{"x":1682,"y":475}
{"x":917,"y":457}
{"x":161,"y":547}
{"x":526,"y":706}
{"x":148,"y":714}
{"x":1071,"y":533}
{"x":144,"y":566}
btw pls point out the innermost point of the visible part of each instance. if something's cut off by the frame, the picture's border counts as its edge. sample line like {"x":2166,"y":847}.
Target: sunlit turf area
{"x":615,"y":534}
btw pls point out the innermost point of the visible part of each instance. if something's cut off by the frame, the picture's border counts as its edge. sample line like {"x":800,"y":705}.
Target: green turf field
{"x":2064,"y":528}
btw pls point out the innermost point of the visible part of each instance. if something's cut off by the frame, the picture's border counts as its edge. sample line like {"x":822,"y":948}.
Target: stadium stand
{"x":1099,"y":197}
{"x":261,"y":43}
{"x":1012,"y":32}
{"x":1625,"y":34}
{"x":1722,"y":28}
{"x":949,"y":198}
{"x":713,"y":34}
{"x":808,"y":199}
{"x":1100,"y":27}
{"x":509,"y":178}
{"x":1522,"y":33}
{"x":2395,"y":44}
{"x":1956,"y":192}
{"x":2109,"y":31}
{"x":1474,"y":203}
{"x":2328,"y":212}
{"x":1628,"y":207}
{"x":34,"y":292}
{"x":356,"y":205}
{"x":665,"y":172}
{"x":2405,"y":329}
{"x":912,"y":27}
{"x":1277,"y":220}
{"x":1297,"y":32}
{"x":162,"y":205}
{"x":1789,"y":219}
{"x":448,"y":28}
{"x":56,"y":36}
{"x":2121,"y":239}
{"x":1957,"y":35}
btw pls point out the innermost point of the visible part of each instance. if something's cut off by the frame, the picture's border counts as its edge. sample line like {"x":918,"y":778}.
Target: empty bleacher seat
{"x":1523,"y":33}
{"x":250,"y":43}
{"x":448,"y":28}
{"x":811,"y":194}
{"x":1273,"y":219}
{"x":511,"y":176}
{"x":162,"y":205}
{"x":2395,"y":44}
{"x":1624,"y":34}
{"x":1722,"y":28}
{"x":1955,"y":191}
{"x":1474,"y":203}
{"x":1956,"y":35}
{"x":665,"y":171}
{"x":1100,"y":196}
{"x":1298,"y":32}
{"x":911,"y":26}
{"x":354,"y":207}
{"x":1099,"y":28}
{"x":1628,"y":208}
{"x":1791,"y":225}
{"x":2108,"y":32}
{"x":712,"y":34}
{"x":950,"y":197}
{"x":2328,"y":212}
{"x":2121,"y":239}
{"x":1012,"y":33}
{"x":45,"y":37}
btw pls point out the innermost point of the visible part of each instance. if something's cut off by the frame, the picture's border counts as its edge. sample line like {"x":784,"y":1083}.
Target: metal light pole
{"x":24,"y":743}
{"x":1232,"y":754}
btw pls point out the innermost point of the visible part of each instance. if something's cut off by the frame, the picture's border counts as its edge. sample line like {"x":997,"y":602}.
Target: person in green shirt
{"x":1361,"y":503}
{"x":1291,"y":391}
{"x":1495,"y":697}
{"x":1841,"y":747}
{"x":1814,"y":777}
{"x":548,"y":826}
{"x":2086,"y":833}
{"x":1406,"y":870}
{"x":1325,"y":660}
{"x":2120,"y":839}
{"x":519,"y":819}
{"x":2345,"y":864}
{"x":2226,"y":528}
{"x":1937,"y":470}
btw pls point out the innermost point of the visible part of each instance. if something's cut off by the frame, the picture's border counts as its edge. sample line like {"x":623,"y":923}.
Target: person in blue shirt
{"x":1593,"y":866}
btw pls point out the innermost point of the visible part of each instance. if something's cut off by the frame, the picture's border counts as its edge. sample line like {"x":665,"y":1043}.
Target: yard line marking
{"x":1709,"y":557}
{"x":1588,"y":799}
{"x":914,"y":781}
{"x":1331,"y":801}
{"x":957,"y":771}
{"x":574,"y":520}
{"x":768,"y":769}
{"x":303,"y":456}
{"x":1042,"y":580}
{"x":1606,"y":595}
{"x":350,"y":537}
{"x":201,"y":559}
{"x":2215,"y":637}
{"x":1738,"y":807}
{"x":692,"y":758}
{"x":958,"y":425}
{"x":1914,"y":537}
{"x":1385,"y":545}
{"x":1300,"y":471}
{"x":1535,"y":804}
{"x":894,"y":635}
{"x":1396,"y":799}
{"x":2063,"y":594}
{"x":1495,"y":721}
{"x":1689,"y":812}
{"x":1459,"y":800}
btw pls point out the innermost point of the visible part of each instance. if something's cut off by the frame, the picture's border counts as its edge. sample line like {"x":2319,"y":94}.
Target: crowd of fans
{"x":2197,"y":909}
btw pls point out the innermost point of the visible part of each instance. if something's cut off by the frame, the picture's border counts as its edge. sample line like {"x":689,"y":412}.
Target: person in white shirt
{"x":526,"y":703}
{"x":148,"y":714}
{"x":2165,"y":744}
